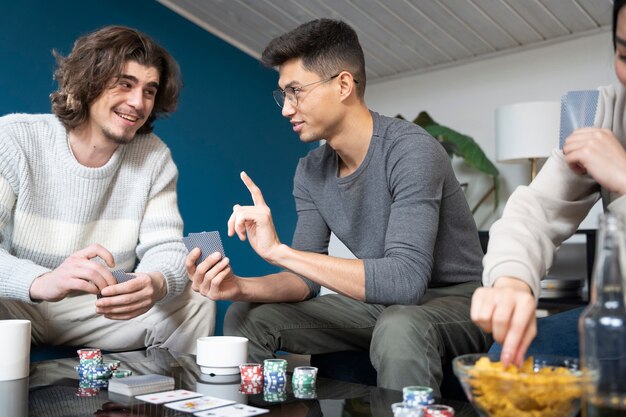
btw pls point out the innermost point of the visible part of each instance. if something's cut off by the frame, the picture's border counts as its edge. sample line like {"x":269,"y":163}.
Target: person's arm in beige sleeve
{"x":536,"y":220}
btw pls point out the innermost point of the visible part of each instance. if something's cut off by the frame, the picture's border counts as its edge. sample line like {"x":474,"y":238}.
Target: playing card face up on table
{"x":168,"y":396}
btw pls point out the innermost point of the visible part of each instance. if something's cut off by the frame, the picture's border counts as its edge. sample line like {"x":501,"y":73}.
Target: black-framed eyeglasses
{"x":291,"y":93}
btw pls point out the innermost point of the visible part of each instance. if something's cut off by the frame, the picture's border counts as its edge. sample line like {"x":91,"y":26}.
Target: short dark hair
{"x":617,"y":6}
{"x":98,"y":57}
{"x":325,"y":46}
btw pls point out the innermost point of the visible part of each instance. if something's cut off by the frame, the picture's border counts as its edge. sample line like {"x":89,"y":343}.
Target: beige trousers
{"x":74,"y":322}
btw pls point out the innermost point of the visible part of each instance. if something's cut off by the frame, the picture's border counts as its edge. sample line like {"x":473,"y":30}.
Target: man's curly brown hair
{"x":99,"y":57}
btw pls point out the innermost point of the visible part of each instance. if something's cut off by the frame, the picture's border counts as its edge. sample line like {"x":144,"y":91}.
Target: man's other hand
{"x":76,"y":274}
{"x":132,"y":298}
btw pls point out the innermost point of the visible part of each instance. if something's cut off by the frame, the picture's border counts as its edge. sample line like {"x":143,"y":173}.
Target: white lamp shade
{"x":527,"y":130}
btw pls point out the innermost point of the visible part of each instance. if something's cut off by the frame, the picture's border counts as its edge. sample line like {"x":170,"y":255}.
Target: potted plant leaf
{"x":462,"y":146}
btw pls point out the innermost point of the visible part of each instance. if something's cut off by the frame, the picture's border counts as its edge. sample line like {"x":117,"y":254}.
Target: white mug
{"x":227,"y":391}
{"x":221,"y":355}
{"x":15,"y":349}
{"x":14,"y":398}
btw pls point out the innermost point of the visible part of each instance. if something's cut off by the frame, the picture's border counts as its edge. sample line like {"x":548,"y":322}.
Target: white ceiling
{"x":406,"y":37}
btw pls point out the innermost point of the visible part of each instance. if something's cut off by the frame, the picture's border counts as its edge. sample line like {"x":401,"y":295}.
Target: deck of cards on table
{"x":141,"y":384}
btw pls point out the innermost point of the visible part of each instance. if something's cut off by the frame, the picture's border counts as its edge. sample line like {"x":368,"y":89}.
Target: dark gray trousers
{"x":407,"y":344}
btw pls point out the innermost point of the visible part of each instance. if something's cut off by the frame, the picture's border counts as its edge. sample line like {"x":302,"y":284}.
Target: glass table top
{"x":50,"y":391}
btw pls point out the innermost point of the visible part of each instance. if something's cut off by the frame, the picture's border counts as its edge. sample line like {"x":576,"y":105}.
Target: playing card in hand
{"x":208,"y":242}
{"x":120,"y":276}
{"x":578,"y":109}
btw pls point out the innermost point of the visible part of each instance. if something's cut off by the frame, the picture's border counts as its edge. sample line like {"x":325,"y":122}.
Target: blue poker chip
{"x":93,"y":383}
{"x":275,"y":381}
{"x":418,"y":400}
{"x":274,"y":396}
{"x":95,"y":367}
{"x":91,"y":371}
{"x":274,"y":375}
{"x":275,"y":388}
{"x":91,"y":374}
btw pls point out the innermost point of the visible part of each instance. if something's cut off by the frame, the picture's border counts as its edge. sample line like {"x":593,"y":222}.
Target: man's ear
{"x":346,"y":84}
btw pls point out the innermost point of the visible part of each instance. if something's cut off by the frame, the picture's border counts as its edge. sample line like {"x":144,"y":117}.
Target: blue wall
{"x":226,"y":122}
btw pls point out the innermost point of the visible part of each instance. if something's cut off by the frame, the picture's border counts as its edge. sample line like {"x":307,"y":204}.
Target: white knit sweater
{"x":52,"y":206}
{"x":539,"y":217}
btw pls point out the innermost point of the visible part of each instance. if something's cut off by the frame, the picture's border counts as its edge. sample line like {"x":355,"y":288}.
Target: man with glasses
{"x":387,"y":190}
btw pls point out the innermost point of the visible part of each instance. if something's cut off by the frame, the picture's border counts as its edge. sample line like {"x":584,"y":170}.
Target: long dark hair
{"x":99,"y":57}
{"x":617,"y":6}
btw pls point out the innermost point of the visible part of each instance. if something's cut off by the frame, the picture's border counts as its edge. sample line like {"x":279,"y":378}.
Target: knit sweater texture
{"x":52,"y":206}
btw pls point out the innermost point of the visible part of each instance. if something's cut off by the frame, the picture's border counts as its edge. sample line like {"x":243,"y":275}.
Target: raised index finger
{"x":257,"y":196}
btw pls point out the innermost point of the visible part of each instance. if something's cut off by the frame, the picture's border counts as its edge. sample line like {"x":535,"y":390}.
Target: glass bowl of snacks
{"x":545,"y":385}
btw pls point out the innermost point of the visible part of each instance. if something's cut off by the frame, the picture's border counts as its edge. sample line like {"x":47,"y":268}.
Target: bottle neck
{"x":608,"y":270}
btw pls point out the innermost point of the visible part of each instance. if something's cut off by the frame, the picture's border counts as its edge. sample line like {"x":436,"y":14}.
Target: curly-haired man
{"x":88,"y":190}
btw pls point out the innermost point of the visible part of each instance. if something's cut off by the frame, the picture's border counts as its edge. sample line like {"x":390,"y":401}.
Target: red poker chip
{"x":251,"y":372}
{"x":87,"y":392}
{"x":251,"y":387}
{"x":89,"y":353}
{"x":437,"y":410}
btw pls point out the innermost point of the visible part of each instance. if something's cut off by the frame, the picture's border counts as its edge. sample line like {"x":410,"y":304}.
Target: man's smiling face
{"x":124,"y":106}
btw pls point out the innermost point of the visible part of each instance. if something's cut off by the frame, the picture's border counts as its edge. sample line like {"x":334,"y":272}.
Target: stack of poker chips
{"x":415,"y":399}
{"x":303,"y":382}
{"x":417,"y":396}
{"x":94,"y":373}
{"x":403,"y":410}
{"x":250,"y":387}
{"x":275,"y":380}
{"x":274,"y":393}
{"x":251,"y":378}
{"x":438,"y":410}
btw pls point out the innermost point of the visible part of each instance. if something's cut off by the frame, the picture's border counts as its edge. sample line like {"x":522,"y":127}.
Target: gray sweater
{"x":402,"y":212}
{"x":52,"y":206}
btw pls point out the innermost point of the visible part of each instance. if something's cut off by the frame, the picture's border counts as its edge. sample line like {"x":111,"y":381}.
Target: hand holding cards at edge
{"x":599,"y":153}
{"x":214,"y":277}
{"x":507,"y":310}
{"x":79,"y":274}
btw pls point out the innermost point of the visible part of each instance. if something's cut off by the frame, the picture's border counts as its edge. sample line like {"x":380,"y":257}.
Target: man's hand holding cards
{"x":207,"y":242}
{"x":208,"y":268}
{"x":121,"y":277}
{"x":131,"y":295}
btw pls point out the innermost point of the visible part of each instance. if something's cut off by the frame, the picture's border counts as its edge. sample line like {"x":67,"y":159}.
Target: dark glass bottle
{"x":603,"y":325}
